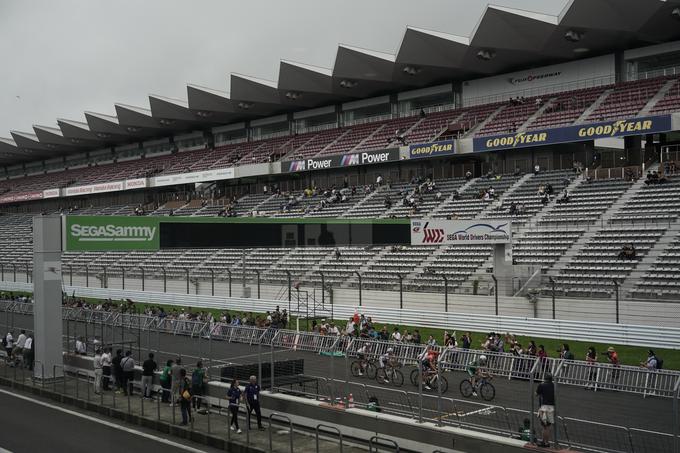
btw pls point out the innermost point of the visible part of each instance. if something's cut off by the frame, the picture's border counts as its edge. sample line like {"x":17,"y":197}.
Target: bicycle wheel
{"x":442,"y":382}
{"x":381,"y":376}
{"x":371,"y":370}
{"x":414,"y":377}
{"x":487,"y":391}
{"x":355,"y":367}
{"x":466,"y":388}
{"x":397,"y":378}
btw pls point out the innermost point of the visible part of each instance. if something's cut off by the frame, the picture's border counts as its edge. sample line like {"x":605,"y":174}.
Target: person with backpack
{"x":184,"y":396}
{"x":166,"y":380}
{"x":198,"y":384}
{"x":127,"y":365}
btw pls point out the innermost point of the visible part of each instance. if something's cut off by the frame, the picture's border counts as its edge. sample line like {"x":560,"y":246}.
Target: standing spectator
{"x":466,"y":340}
{"x":8,"y":343}
{"x":117,"y":370}
{"x":198,"y":385}
{"x":652,"y":364}
{"x":184,"y":396}
{"x":431,"y":341}
{"x":546,"y":411}
{"x":166,"y":381}
{"x":97,"y":371}
{"x":19,"y":345}
{"x":613,"y":359}
{"x":81,"y":347}
{"x":106,"y":368}
{"x":591,"y":360}
{"x":234,"y":395}
{"x":396,"y":335}
{"x":148,"y":368}
{"x":253,"y":401}
{"x":417,"y":339}
{"x":176,"y":374}
{"x":28,"y":352}
{"x":127,"y":365}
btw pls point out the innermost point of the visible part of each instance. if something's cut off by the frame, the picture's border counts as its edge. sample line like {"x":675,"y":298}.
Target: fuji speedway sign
{"x":450,"y":232}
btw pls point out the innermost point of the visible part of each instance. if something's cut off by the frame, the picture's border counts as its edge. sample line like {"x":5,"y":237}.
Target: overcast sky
{"x":63,"y":57}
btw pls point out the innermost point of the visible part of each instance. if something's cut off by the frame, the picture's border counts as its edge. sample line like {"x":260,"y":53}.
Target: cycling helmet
{"x":390,"y":350}
{"x":482,"y":358}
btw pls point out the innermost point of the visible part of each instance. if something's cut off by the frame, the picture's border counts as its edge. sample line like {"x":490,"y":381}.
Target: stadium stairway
{"x":498,"y":202}
{"x":537,"y":113}
{"x":594,"y":106}
{"x":449,"y":199}
{"x":478,"y":127}
{"x":644,"y":266}
{"x":646,"y":110}
{"x":536,"y":218}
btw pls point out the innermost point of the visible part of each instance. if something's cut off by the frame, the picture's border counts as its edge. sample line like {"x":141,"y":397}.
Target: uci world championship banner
{"x":82,"y":233}
{"x":447,"y":232}
{"x":581,"y":132}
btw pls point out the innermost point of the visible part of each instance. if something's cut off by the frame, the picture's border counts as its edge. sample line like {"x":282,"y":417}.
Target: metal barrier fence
{"x":599,"y":376}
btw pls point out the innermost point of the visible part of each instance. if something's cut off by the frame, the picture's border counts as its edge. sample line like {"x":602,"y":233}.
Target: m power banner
{"x":83,"y":233}
{"x":448,"y":232}
{"x":435,"y":149}
{"x":582,"y":132}
{"x":341,"y":160}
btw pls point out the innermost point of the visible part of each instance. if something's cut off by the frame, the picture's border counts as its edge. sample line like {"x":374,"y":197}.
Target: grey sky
{"x":63,"y":57}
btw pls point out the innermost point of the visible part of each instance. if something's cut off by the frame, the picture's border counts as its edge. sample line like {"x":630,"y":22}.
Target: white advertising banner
{"x":188,"y":178}
{"x":104,"y":187}
{"x":548,"y":79}
{"x":51,"y":193}
{"x":139,"y":183}
{"x":452,"y":232}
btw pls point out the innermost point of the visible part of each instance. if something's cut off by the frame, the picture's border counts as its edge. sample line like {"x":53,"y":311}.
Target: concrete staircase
{"x":360,"y":203}
{"x":644,"y":266}
{"x":498,"y":202}
{"x":538,"y":113}
{"x":534,"y":221}
{"x":347,"y":283}
{"x":581,"y":119}
{"x":333,"y":142}
{"x":449,"y":199}
{"x":369,"y":137}
{"x":657,"y":97}
{"x":481,"y":125}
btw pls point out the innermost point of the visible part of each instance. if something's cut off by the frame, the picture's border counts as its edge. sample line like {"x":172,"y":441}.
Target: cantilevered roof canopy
{"x":503,"y":40}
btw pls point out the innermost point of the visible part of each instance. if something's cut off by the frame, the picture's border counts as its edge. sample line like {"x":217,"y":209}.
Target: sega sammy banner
{"x":435,"y":149}
{"x":447,"y":232}
{"x":83,"y":233}
{"x":582,"y":132}
{"x":341,"y":160}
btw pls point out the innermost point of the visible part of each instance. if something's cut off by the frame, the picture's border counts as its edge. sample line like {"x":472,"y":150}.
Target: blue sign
{"x":582,"y":132}
{"x":435,"y":149}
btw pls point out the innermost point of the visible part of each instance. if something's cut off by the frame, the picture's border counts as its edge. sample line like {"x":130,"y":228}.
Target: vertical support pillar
{"x":47,"y":295}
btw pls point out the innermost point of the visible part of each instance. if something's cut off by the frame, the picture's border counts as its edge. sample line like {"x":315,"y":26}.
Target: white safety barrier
{"x":596,"y":332}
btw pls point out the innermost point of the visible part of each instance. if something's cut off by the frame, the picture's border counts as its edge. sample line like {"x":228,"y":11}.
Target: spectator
{"x":613,"y":359}
{"x":234,"y":395}
{"x":184,"y":396}
{"x":148,"y":369}
{"x":591,"y":360}
{"x":166,"y":382}
{"x":565,"y":353}
{"x":19,"y":345}
{"x":127,"y":365}
{"x":546,"y":411}
{"x":431,"y":341}
{"x":29,"y":352}
{"x":468,"y":175}
{"x":198,"y":385}
{"x":417,"y":339}
{"x":176,"y":375}
{"x":118,"y":370}
{"x":466,"y":340}
{"x":396,"y":335}
{"x":81,"y":347}
{"x":97,"y":362}
{"x":537,"y":169}
{"x":525,"y":432}
{"x":253,"y":401}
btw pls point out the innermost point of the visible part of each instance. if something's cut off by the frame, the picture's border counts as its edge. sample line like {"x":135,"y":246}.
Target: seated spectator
{"x":627,"y":252}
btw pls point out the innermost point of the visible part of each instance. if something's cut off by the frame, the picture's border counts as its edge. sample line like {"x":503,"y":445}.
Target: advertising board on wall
{"x":449,"y":232}
{"x":434,"y":149}
{"x":82,"y":233}
{"x":194,"y":177}
{"x":341,"y":160}
{"x":104,"y":187}
{"x":579,"y":133}
{"x":18,"y":197}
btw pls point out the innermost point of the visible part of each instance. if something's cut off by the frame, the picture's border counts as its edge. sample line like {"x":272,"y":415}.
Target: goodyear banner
{"x":435,"y":149}
{"x":582,"y":132}
{"x":341,"y":160}
{"x":447,"y":232}
{"x":82,"y":233}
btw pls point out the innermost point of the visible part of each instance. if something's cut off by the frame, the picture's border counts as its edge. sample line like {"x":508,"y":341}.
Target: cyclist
{"x":362,"y":352}
{"x":384,"y":359}
{"x":475,"y":370}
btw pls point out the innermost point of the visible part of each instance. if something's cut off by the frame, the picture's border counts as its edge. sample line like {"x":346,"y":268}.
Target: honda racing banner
{"x":570,"y":134}
{"x":448,"y":232}
{"x":341,"y":160}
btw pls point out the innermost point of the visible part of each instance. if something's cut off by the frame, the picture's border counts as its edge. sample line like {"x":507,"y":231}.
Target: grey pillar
{"x":503,"y":270}
{"x":47,"y":294}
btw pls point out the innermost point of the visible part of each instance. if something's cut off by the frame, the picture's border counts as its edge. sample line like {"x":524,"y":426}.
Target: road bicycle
{"x":389,"y":375}
{"x":484,"y":388}
{"x":366,"y":367}
{"x":431,"y":380}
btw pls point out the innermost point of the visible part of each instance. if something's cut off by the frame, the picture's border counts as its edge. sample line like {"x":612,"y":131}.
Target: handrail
{"x":285,"y":419}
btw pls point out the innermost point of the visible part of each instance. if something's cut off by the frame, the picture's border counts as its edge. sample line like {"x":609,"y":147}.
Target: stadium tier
{"x":607,"y":102}
{"x":570,"y":227}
